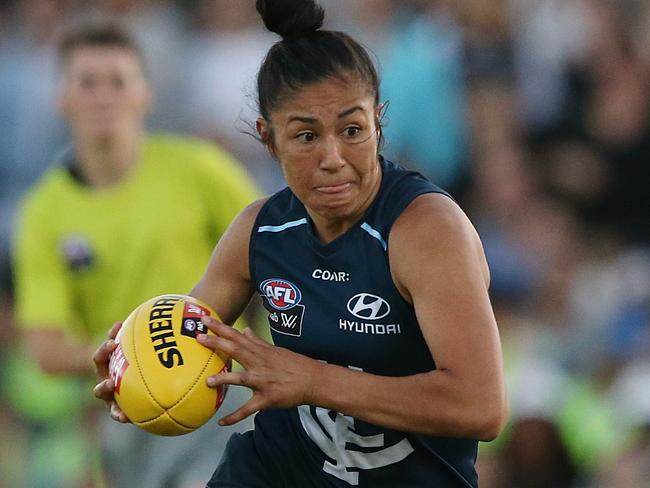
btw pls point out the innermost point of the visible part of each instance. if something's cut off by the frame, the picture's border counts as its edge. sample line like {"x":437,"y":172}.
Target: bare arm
{"x":226,"y":283}
{"x":438,"y":264}
{"x":464,"y":397}
{"x":55,"y":353}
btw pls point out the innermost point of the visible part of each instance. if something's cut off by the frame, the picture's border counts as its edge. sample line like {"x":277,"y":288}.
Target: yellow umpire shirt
{"x":85,"y":257}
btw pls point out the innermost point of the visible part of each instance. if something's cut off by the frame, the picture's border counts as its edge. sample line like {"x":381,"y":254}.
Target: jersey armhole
{"x":253,"y":237}
{"x":419,"y":192}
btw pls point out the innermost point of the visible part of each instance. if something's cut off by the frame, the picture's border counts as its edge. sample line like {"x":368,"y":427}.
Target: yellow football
{"x":160,"y":370}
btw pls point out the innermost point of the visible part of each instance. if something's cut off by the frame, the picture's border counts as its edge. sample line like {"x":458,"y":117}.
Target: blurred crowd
{"x":534,"y":114}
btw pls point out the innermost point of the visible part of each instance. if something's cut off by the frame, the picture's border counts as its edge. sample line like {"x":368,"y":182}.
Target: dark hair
{"x":97,"y":35}
{"x":306,"y":54}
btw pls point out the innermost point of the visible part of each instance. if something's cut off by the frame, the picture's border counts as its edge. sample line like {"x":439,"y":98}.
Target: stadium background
{"x":535,"y":114}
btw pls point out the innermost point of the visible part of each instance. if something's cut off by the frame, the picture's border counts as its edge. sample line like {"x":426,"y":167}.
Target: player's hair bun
{"x":291,"y":18}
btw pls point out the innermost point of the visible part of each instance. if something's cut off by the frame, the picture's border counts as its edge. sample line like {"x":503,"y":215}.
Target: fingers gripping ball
{"x":160,"y":370}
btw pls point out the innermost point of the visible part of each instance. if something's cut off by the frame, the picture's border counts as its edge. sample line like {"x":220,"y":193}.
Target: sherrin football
{"x":160,"y":370}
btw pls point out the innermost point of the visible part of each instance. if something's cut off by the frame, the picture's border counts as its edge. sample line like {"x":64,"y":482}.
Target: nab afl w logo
{"x":281,"y":293}
{"x":283,"y":303}
{"x":368,"y":307}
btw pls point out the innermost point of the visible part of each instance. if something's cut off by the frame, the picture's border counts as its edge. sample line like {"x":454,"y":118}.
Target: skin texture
{"x":325,"y":138}
{"x":105,"y":98}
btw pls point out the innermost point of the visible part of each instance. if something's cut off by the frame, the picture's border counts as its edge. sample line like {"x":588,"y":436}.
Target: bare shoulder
{"x":434,"y":233}
{"x":225,"y":285}
{"x":437,"y":216}
{"x":233,"y":246}
{"x":245,"y":221}
{"x":231,"y":252}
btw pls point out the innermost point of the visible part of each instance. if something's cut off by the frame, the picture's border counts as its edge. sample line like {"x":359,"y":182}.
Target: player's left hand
{"x":278,"y":377}
{"x":105,"y":389}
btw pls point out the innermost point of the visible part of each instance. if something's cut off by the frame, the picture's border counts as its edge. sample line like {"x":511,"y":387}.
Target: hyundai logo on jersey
{"x":368,"y":307}
{"x":280,"y":293}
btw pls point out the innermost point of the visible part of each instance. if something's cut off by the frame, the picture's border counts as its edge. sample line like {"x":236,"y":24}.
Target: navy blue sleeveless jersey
{"x":336,"y":302}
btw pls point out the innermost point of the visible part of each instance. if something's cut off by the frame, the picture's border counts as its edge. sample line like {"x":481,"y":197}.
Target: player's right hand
{"x":104,"y":390}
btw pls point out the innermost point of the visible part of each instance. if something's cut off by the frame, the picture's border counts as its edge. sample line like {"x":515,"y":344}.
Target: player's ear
{"x":378,"y":110}
{"x":266,"y":134}
{"x":379,"y":114}
{"x":146,"y":95}
{"x":149,"y":98}
{"x":63,"y":97}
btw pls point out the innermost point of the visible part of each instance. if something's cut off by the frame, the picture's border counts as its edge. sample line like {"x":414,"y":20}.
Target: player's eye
{"x":87,"y":82}
{"x":306,"y":136}
{"x":352,"y":131}
{"x":117,"y":82}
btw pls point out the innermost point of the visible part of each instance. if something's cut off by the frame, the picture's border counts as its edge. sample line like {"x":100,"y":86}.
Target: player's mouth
{"x":334,"y":189}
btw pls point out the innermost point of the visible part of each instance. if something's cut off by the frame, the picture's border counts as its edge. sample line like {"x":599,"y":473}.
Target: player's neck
{"x":105,"y":161}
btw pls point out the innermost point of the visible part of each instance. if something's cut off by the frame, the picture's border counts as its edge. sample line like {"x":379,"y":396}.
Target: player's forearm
{"x":435,"y":403}
{"x":72,"y":360}
{"x":54,"y":354}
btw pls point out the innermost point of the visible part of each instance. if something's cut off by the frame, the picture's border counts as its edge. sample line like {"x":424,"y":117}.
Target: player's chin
{"x":336,"y":211}
{"x":101,"y":134}
{"x":336,"y":204}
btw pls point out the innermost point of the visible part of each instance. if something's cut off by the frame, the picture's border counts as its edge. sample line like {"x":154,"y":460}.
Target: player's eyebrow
{"x":298,"y":118}
{"x":350,"y":110}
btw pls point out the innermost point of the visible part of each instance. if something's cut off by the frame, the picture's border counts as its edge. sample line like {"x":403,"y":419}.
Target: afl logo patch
{"x":280,"y":293}
{"x":368,"y":307}
{"x":192,"y":324}
{"x":77,"y":252}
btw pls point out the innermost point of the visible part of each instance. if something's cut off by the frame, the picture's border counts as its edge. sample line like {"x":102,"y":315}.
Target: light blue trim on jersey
{"x":280,"y":228}
{"x":374,"y":233}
